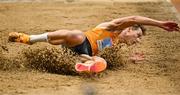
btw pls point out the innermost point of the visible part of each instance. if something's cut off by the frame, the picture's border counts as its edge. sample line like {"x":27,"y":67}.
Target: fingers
{"x":137,"y":57}
{"x":177,"y":29}
{"x":138,"y":40}
{"x":171,"y":26}
{"x":171,"y":23}
{"x":171,"y":29}
{"x":174,"y":24}
{"x":140,"y":55}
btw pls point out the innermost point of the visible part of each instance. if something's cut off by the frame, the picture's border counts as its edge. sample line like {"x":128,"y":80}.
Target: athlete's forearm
{"x":147,"y":21}
{"x":131,"y":20}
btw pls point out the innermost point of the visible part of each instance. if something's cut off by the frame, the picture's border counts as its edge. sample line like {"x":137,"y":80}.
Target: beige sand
{"x":158,"y":74}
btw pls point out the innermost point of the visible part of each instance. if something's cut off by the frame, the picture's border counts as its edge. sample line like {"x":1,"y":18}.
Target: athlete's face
{"x":131,"y":36}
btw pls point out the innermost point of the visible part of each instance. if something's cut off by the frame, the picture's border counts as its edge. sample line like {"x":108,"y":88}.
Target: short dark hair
{"x":136,"y":26}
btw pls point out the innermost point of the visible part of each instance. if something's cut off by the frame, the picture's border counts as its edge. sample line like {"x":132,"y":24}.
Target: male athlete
{"x":127,"y":30}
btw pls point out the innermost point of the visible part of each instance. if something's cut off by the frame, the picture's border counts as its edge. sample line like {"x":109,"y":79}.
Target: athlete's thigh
{"x":59,"y":34}
{"x":75,"y":37}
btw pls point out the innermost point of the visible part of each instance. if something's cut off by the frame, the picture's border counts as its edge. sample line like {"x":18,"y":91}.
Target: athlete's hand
{"x":170,"y":26}
{"x":137,"y":57}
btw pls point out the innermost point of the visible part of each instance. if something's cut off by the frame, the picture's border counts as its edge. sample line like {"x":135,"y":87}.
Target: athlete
{"x":87,"y":44}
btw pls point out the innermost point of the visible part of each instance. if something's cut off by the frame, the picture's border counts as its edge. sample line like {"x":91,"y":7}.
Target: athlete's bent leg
{"x":55,"y":38}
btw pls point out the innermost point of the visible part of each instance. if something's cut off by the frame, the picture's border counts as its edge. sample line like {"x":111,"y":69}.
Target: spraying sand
{"x":43,"y":69}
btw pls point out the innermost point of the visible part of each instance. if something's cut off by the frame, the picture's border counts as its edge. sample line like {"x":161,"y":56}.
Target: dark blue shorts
{"x":84,"y":48}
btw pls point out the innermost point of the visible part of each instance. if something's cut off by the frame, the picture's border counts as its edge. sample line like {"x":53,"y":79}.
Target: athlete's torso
{"x":100,"y":39}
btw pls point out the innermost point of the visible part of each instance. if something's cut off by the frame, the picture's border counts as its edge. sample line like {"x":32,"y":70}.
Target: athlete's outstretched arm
{"x":122,"y":23}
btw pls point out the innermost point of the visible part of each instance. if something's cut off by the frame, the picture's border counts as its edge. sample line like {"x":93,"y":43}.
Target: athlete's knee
{"x":51,"y":41}
{"x":100,"y":59}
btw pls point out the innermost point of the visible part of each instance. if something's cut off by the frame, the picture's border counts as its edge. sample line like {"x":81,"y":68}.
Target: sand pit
{"x":28,"y":70}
